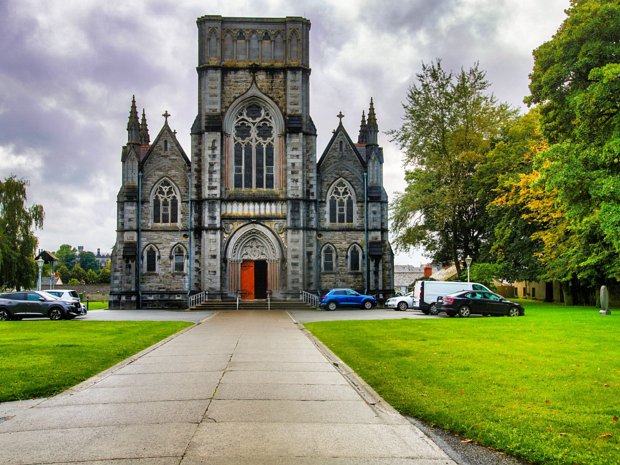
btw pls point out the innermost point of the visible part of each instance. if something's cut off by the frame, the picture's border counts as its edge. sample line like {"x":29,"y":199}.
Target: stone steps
{"x":223,"y":305}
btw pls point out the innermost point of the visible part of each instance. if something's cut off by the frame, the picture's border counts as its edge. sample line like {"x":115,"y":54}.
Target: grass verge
{"x":97,"y":305}
{"x":544,"y":387}
{"x":42,"y":358}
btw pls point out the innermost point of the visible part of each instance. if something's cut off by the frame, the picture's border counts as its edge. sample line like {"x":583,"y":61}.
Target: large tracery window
{"x":341,"y":203}
{"x":254,"y":141}
{"x":165,"y":204}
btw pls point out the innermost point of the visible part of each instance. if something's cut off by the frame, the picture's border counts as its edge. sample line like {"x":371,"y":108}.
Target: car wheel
{"x":402,"y":306}
{"x":464,"y":311}
{"x":55,"y":314}
{"x":4,"y":315}
{"x":433,"y":310}
{"x":331,"y":306}
{"x":367,"y":305}
{"x":513,"y":311}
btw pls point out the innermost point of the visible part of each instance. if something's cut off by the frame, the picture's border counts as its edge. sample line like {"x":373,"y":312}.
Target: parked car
{"x":36,"y":304}
{"x":69,"y":295}
{"x":346,"y":298}
{"x":400,"y":302}
{"x":465,"y":303}
{"x":426,"y":293}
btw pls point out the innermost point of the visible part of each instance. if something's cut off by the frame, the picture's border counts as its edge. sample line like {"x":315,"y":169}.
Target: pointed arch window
{"x":150,"y":259}
{"x":354,"y":258}
{"x":178,"y":257}
{"x":254,"y":148}
{"x":242,"y":47}
{"x":266,"y":47}
{"x":328,"y":258}
{"x":165,"y":204}
{"x":340,"y":203}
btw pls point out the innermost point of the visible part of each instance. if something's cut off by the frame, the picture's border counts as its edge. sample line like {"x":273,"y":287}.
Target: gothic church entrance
{"x":254,"y":279}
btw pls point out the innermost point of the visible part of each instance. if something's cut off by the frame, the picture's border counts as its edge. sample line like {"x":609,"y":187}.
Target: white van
{"x":425,"y":293}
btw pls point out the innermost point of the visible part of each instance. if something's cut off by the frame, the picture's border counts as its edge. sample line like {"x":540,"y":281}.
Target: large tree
{"x":67,"y":255}
{"x":451,"y":122}
{"x":576,"y":84}
{"x":18,"y":244}
{"x":520,"y":209}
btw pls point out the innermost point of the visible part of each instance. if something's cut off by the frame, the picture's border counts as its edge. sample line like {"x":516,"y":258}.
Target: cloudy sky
{"x":68,"y":70}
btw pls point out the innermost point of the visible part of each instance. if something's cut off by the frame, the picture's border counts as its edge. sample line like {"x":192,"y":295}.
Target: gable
{"x":341,"y":150}
{"x":166,"y":144}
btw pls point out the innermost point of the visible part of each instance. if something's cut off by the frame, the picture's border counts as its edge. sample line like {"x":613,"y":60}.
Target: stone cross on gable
{"x":340,"y":116}
{"x":165,"y":114}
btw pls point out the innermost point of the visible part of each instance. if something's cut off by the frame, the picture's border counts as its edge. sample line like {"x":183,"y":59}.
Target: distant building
{"x":102,"y":258}
{"x":405,"y":276}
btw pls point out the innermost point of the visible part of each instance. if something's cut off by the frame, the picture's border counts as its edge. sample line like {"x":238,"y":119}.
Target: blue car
{"x":346,"y":298}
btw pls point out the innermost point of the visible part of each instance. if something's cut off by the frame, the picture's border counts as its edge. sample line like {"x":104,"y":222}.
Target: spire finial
{"x":372,"y":118}
{"x":145,"y":139}
{"x":166,"y":115}
{"x":133,"y":124}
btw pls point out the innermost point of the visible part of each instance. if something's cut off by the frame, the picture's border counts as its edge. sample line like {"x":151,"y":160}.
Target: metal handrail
{"x":268,"y":300}
{"x":310,"y":299}
{"x":238,"y":298}
{"x":197,"y":299}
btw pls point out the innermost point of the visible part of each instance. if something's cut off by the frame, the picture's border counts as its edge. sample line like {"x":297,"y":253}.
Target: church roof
{"x":341,"y":129}
{"x":165,"y":130}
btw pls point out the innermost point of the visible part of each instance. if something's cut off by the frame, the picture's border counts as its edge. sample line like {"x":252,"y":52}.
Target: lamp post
{"x":40,"y":262}
{"x":468,"y":260}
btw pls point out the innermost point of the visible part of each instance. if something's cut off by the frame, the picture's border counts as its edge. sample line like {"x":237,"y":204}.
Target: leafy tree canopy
{"x":67,"y":255}
{"x":18,"y":243}
{"x":576,"y":83}
{"x":450,"y":124}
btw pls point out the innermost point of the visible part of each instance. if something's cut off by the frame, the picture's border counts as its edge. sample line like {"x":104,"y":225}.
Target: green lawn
{"x":544,"y":387}
{"x":96,"y":305}
{"x":41,"y":358}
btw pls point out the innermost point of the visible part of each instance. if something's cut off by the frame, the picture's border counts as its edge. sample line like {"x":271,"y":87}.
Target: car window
{"x":338,"y":292}
{"x":33,"y":297}
{"x":494,"y":296}
{"x":74,"y":294}
{"x":350,"y":292}
{"x":56,"y":293}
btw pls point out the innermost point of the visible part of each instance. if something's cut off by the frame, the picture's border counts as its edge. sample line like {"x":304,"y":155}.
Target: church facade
{"x":254,"y":212}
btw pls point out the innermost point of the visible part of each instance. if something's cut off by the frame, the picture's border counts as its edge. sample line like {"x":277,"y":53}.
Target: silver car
{"x":400,"y":302}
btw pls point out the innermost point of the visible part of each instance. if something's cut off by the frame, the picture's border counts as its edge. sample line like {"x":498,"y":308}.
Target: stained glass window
{"x":253,"y":156}
{"x":165,"y":204}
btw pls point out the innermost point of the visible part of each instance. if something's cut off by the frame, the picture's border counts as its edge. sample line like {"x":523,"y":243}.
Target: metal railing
{"x":310,"y":299}
{"x":268,"y":300}
{"x":197,"y":299}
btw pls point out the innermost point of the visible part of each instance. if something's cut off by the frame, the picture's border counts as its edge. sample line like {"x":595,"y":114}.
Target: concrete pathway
{"x":241,"y":388}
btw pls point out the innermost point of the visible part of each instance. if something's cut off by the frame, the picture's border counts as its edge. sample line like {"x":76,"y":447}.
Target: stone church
{"x":253,"y":213}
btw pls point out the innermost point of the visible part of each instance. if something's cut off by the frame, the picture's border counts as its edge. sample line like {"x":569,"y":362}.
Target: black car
{"x":36,"y":304}
{"x":465,"y":303}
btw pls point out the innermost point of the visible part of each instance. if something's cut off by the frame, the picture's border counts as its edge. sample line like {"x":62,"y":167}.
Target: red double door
{"x":254,"y":279}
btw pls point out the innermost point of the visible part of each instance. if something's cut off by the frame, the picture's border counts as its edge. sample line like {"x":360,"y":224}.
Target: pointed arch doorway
{"x":254,"y":258}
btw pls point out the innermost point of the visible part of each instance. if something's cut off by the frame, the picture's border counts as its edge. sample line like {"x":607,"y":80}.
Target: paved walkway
{"x":241,"y":388}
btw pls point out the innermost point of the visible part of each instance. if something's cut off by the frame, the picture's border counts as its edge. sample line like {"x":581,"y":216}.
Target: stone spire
{"x":373,"y":128}
{"x":133,"y":125}
{"x":362,"y":138}
{"x":145,"y":139}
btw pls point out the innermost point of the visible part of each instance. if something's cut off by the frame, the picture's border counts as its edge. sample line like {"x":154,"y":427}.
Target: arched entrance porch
{"x":254,"y":257}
